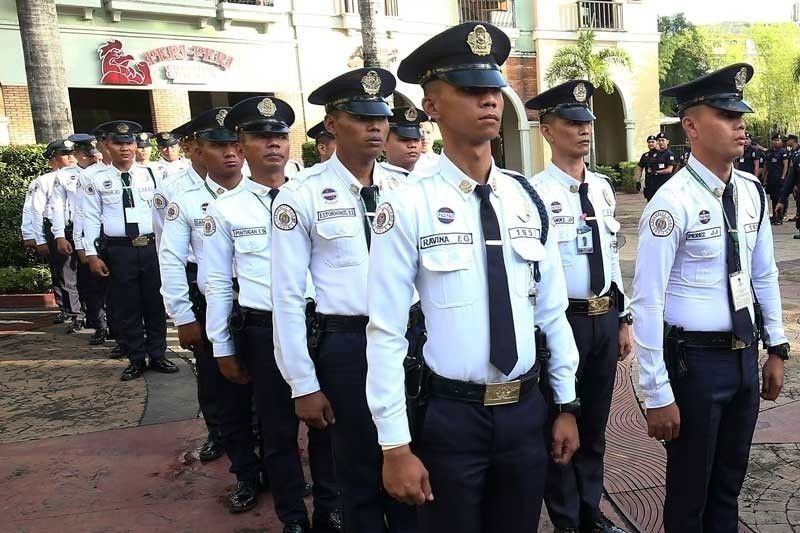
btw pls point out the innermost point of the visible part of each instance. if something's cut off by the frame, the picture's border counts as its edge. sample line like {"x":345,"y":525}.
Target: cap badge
{"x":68,"y":144}
{"x":411,"y":114}
{"x":371,"y":83}
{"x":740,"y":79}
{"x":480,"y":41}
{"x":579,"y":92}
{"x":164,"y":135}
{"x":122,"y":128}
{"x":221,"y":116}
{"x":267,"y":107}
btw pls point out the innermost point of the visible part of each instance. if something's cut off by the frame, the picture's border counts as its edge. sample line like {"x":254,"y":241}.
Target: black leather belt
{"x":256,"y":318}
{"x":135,"y":242}
{"x":485,"y":394}
{"x":717,"y":340}
{"x":342,"y":323}
{"x":593,"y":306}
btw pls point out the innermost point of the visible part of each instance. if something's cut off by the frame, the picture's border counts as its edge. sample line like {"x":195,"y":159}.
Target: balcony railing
{"x":390,"y":8}
{"x":266,"y":3}
{"x":497,"y":12}
{"x":600,"y":15}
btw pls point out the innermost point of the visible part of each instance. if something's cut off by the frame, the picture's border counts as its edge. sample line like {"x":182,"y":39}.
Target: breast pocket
{"x":342,"y":242}
{"x":700,"y":262}
{"x":567,"y":243}
{"x":447,"y":270}
{"x":526,"y":252}
{"x":251,"y":255}
{"x":111,"y":199}
{"x":146,"y":194}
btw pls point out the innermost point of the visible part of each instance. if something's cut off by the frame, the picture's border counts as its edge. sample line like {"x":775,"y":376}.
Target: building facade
{"x":161,"y":61}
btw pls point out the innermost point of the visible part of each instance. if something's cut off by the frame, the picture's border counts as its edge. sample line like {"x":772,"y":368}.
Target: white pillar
{"x":630,"y":126}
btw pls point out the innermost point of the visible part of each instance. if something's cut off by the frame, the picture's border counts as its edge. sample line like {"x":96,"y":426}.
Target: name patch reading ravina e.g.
{"x":444,"y":239}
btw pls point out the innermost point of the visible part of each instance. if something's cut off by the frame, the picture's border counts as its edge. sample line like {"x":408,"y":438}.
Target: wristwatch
{"x":781,"y":350}
{"x":627,"y":318}
{"x":573,"y":407}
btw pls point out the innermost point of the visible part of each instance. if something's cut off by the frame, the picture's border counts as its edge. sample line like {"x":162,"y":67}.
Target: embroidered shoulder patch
{"x":159,"y":201}
{"x":173,"y":211}
{"x":661,"y":223}
{"x":284,"y":217}
{"x":209,"y":226}
{"x":384,"y":218}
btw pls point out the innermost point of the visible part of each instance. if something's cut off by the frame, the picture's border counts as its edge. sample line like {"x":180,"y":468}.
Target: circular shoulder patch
{"x":209,"y":226}
{"x":159,"y":201}
{"x":284,"y":217}
{"x":90,"y":188}
{"x":173,"y":211}
{"x":384,"y":218}
{"x":661,"y":223}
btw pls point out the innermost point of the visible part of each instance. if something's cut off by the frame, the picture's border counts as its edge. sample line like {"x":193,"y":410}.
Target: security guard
{"x":322,"y":222}
{"x":582,"y":205}
{"x":789,"y":187}
{"x":63,"y":268}
{"x":225,"y":405}
{"x":120,"y":199}
{"x":793,"y":153}
{"x":751,"y":159}
{"x":703,"y":246}
{"x":92,"y":289}
{"x":143,"y":151}
{"x":643,"y":166}
{"x":777,"y":166}
{"x":323,"y":140}
{"x":404,"y":141}
{"x":662,"y":166}
{"x":238,"y":229}
{"x":170,"y":151}
{"x":472,"y":237}
{"x":428,"y":159}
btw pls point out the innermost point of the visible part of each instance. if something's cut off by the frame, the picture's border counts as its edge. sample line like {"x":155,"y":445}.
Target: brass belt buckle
{"x":502,"y":393}
{"x":736,"y":343}
{"x":597,"y":306}
{"x":139,"y":241}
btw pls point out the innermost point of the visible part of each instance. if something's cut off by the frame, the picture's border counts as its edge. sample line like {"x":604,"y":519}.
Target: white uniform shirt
{"x":172,"y":184}
{"x":319,"y":224}
{"x":430,"y":235}
{"x":65,"y":198}
{"x":681,"y":274}
{"x":41,"y":206}
{"x":103,"y":203}
{"x":182,"y":242}
{"x":27,"y":215}
{"x":238,"y":231}
{"x":560,"y":194}
{"x":80,"y":195}
{"x":427,"y":162}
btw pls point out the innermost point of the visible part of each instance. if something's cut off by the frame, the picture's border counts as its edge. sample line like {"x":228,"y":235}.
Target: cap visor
{"x":218,"y":136}
{"x":121,"y":138}
{"x":578,"y":114}
{"x":407,"y":132}
{"x":367,"y":109}
{"x":737,"y":106}
{"x":475,"y":78}
{"x":165,"y":144}
{"x":265,"y":127}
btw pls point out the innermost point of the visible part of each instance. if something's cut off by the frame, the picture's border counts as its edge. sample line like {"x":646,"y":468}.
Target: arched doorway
{"x":513,"y":149}
{"x":609,"y":128}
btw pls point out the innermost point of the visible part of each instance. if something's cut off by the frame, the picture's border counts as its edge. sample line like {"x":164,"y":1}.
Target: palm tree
{"x":796,"y":69}
{"x":44,"y":68}
{"x":580,"y":61}
{"x":370,"y":13}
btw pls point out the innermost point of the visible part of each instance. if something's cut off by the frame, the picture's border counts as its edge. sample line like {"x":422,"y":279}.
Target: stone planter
{"x":22,"y":301}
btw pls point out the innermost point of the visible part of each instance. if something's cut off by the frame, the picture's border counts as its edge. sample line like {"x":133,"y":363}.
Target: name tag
{"x":524,"y":233}
{"x":661,"y":165}
{"x":584,"y":239}
{"x":563,"y":220}
{"x":112,"y":191}
{"x":199,"y":222}
{"x":246,"y":232}
{"x":751,"y":227}
{"x":444,"y":239}
{"x":740,"y":290}
{"x":741,"y":160}
{"x":335,"y":213}
{"x":709,"y":233}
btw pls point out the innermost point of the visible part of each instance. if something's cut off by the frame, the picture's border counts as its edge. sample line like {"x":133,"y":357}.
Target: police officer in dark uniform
{"x":662,"y":166}
{"x":790,"y":185}
{"x":777,"y":166}
{"x":643,"y":167}
{"x":119,"y":199}
{"x":751,"y":159}
{"x":687,"y":152}
{"x":695,"y":309}
{"x":324,"y":141}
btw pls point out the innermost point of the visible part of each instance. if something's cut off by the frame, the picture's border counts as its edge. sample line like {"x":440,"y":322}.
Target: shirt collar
{"x":379,"y":175}
{"x":713,"y":182}
{"x":564,"y":179}
{"x":460,"y":181}
{"x":257,"y":188}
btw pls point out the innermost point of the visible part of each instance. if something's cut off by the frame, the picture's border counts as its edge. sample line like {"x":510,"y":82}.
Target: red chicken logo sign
{"x":119,"y":68}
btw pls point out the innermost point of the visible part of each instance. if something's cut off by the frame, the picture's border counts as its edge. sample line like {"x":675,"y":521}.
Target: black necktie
{"x":370,"y":196}
{"x":596,"y":271}
{"x":131,"y":228}
{"x":742,"y":325}
{"x":502,"y":339}
{"x":272,"y":194}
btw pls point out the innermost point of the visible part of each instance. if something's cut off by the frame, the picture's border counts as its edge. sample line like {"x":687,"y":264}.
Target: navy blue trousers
{"x":573,"y":491}
{"x":486,"y":464}
{"x":279,"y":427}
{"x":718,"y":400}
{"x":342,"y":372}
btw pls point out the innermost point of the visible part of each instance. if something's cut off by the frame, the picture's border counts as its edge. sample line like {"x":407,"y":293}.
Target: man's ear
{"x":330,"y":123}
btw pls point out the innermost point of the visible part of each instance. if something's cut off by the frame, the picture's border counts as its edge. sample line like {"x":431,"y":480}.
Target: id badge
{"x":740,"y":290}
{"x":585,"y":245}
{"x":132,"y":215}
{"x":741,"y":160}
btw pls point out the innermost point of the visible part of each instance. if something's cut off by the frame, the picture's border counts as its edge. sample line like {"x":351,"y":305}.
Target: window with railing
{"x":599,"y":15}
{"x":497,"y":12}
{"x":390,"y":7}
{"x":267,"y":3}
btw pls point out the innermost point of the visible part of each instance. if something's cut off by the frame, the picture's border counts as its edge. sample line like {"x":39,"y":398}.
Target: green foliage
{"x":627,"y":175}
{"x":437,"y":146}
{"x":580,"y":61}
{"x":607,"y":171}
{"x":28,"y":280}
{"x":310,"y":154}
{"x":19,"y":165}
{"x":682,"y":55}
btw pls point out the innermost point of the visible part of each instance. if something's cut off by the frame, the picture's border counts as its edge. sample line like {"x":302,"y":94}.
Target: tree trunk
{"x":44,"y":68}
{"x":371,"y":13}
{"x":593,"y":147}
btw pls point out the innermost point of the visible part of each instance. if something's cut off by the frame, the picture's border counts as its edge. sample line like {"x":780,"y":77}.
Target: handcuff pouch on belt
{"x":236,"y":324}
{"x":313,"y":330}
{"x":674,"y":352}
